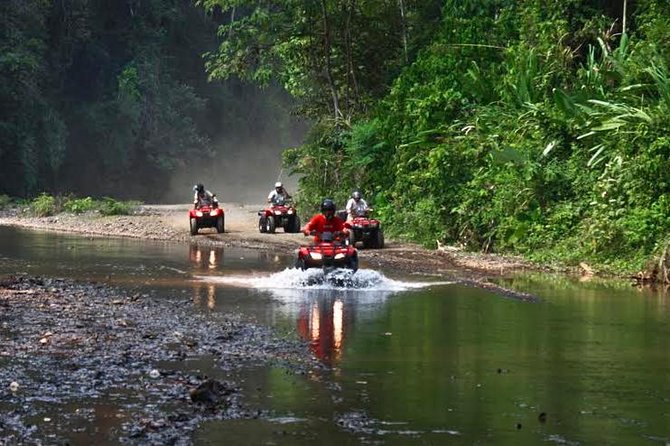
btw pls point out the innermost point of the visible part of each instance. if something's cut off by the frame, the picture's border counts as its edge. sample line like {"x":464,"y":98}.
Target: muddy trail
{"x":73,"y":351}
{"x":170,"y":223}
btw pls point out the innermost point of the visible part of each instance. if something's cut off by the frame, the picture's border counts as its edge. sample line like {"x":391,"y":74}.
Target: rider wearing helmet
{"x":326,"y":221}
{"x":203,"y":197}
{"x":356,"y":206}
{"x":278,"y":194}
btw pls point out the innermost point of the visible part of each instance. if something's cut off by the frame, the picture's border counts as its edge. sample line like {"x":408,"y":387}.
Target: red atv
{"x":281,"y":214}
{"x":367,"y":230}
{"x":332,"y":251}
{"x":207,"y":216}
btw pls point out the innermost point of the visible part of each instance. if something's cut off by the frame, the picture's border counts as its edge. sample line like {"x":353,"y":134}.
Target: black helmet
{"x":328,"y":205}
{"x":356,"y":195}
{"x":200,"y":187}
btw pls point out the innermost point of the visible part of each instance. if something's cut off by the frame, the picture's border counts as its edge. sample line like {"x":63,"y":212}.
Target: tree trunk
{"x":350,"y":58}
{"x":326,"y":50}
{"x":403,"y":25}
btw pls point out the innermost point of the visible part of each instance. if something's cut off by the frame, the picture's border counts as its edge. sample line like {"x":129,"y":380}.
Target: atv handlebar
{"x":336,"y":234}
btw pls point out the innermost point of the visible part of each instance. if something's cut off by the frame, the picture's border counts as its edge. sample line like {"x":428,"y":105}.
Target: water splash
{"x":316,"y":279}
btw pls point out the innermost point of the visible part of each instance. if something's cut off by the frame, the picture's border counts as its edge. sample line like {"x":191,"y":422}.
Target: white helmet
{"x":278,"y":184}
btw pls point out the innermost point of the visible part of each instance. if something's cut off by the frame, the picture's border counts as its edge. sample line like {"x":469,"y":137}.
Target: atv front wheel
{"x":271,"y":225}
{"x":220,"y":224}
{"x":353,"y":263}
{"x":352,"y":238}
{"x":294,"y":225}
{"x":194,"y":226}
{"x":300,"y":264}
{"x":262,"y":225}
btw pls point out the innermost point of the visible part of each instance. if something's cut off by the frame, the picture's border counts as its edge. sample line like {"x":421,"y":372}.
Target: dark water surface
{"x":408,"y":364}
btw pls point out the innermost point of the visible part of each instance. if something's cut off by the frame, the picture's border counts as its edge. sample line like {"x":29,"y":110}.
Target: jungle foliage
{"x":532,"y":127}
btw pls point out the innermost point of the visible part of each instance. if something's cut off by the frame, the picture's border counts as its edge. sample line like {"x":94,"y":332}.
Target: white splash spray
{"x":315,"y":279}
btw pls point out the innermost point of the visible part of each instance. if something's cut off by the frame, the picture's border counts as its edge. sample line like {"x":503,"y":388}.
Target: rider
{"x":356,"y":206}
{"x":326,"y":221}
{"x":278,"y":194}
{"x":203,"y":197}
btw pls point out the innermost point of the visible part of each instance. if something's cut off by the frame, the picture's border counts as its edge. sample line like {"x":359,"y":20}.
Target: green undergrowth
{"x":45,"y":205}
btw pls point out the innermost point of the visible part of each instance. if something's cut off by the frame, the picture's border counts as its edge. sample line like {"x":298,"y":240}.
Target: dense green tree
{"x":335,"y":56}
{"x":535,"y":127}
{"x":112,"y":98}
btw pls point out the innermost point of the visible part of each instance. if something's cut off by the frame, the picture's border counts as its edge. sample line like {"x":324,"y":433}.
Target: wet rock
{"x":94,"y":348}
{"x":211,"y":393}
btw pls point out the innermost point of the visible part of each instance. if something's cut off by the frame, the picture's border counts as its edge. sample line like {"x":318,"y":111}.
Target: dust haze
{"x":245,"y":175}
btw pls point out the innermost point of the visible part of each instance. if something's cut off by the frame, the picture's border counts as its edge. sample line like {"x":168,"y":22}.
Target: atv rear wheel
{"x":379,"y":239}
{"x":262,"y":225}
{"x":220,"y":224}
{"x":194,"y":226}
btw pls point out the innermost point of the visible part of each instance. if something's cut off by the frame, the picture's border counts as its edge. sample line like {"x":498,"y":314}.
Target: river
{"x":410,"y":360}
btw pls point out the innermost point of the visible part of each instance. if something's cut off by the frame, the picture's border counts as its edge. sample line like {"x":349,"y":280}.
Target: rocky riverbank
{"x":77,"y":358}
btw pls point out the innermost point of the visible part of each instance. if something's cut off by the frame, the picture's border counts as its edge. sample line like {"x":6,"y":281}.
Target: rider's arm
{"x":312,"y":225}
{"x":341,"y":226}
{"x":308,"y":227}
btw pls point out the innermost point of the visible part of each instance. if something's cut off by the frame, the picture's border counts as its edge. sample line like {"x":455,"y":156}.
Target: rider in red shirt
{"x":326,"y":221}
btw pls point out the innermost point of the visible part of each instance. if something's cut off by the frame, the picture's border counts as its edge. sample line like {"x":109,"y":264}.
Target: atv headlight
{"x":315,"y":255}
{"x":212,"y":213}
{"x":277,"y":212}
{"x":289,"y":212}
{"x":339,"y":256}
{"x":198,"y":213}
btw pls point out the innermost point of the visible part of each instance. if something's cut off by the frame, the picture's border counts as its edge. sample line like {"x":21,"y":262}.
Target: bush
{"x":5,"y":202}
{"x":110,"y":206}
{"x":79,"y":205}
{"x":44,"y":205}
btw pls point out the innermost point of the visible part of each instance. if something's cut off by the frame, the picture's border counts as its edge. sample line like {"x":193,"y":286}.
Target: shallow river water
{"x":411,"y":360}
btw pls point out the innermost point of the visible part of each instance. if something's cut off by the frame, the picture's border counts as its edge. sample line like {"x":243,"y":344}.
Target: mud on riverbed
{"x":78,"y":356}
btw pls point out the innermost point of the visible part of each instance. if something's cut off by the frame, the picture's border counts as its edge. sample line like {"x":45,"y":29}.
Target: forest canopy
{"x":112,"y":98}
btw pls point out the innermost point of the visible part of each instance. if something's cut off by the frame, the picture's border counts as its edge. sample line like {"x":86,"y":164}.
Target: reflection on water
{"x":206,"y":292}
{"x":322,"y":323}
{"x":205,"y":258}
